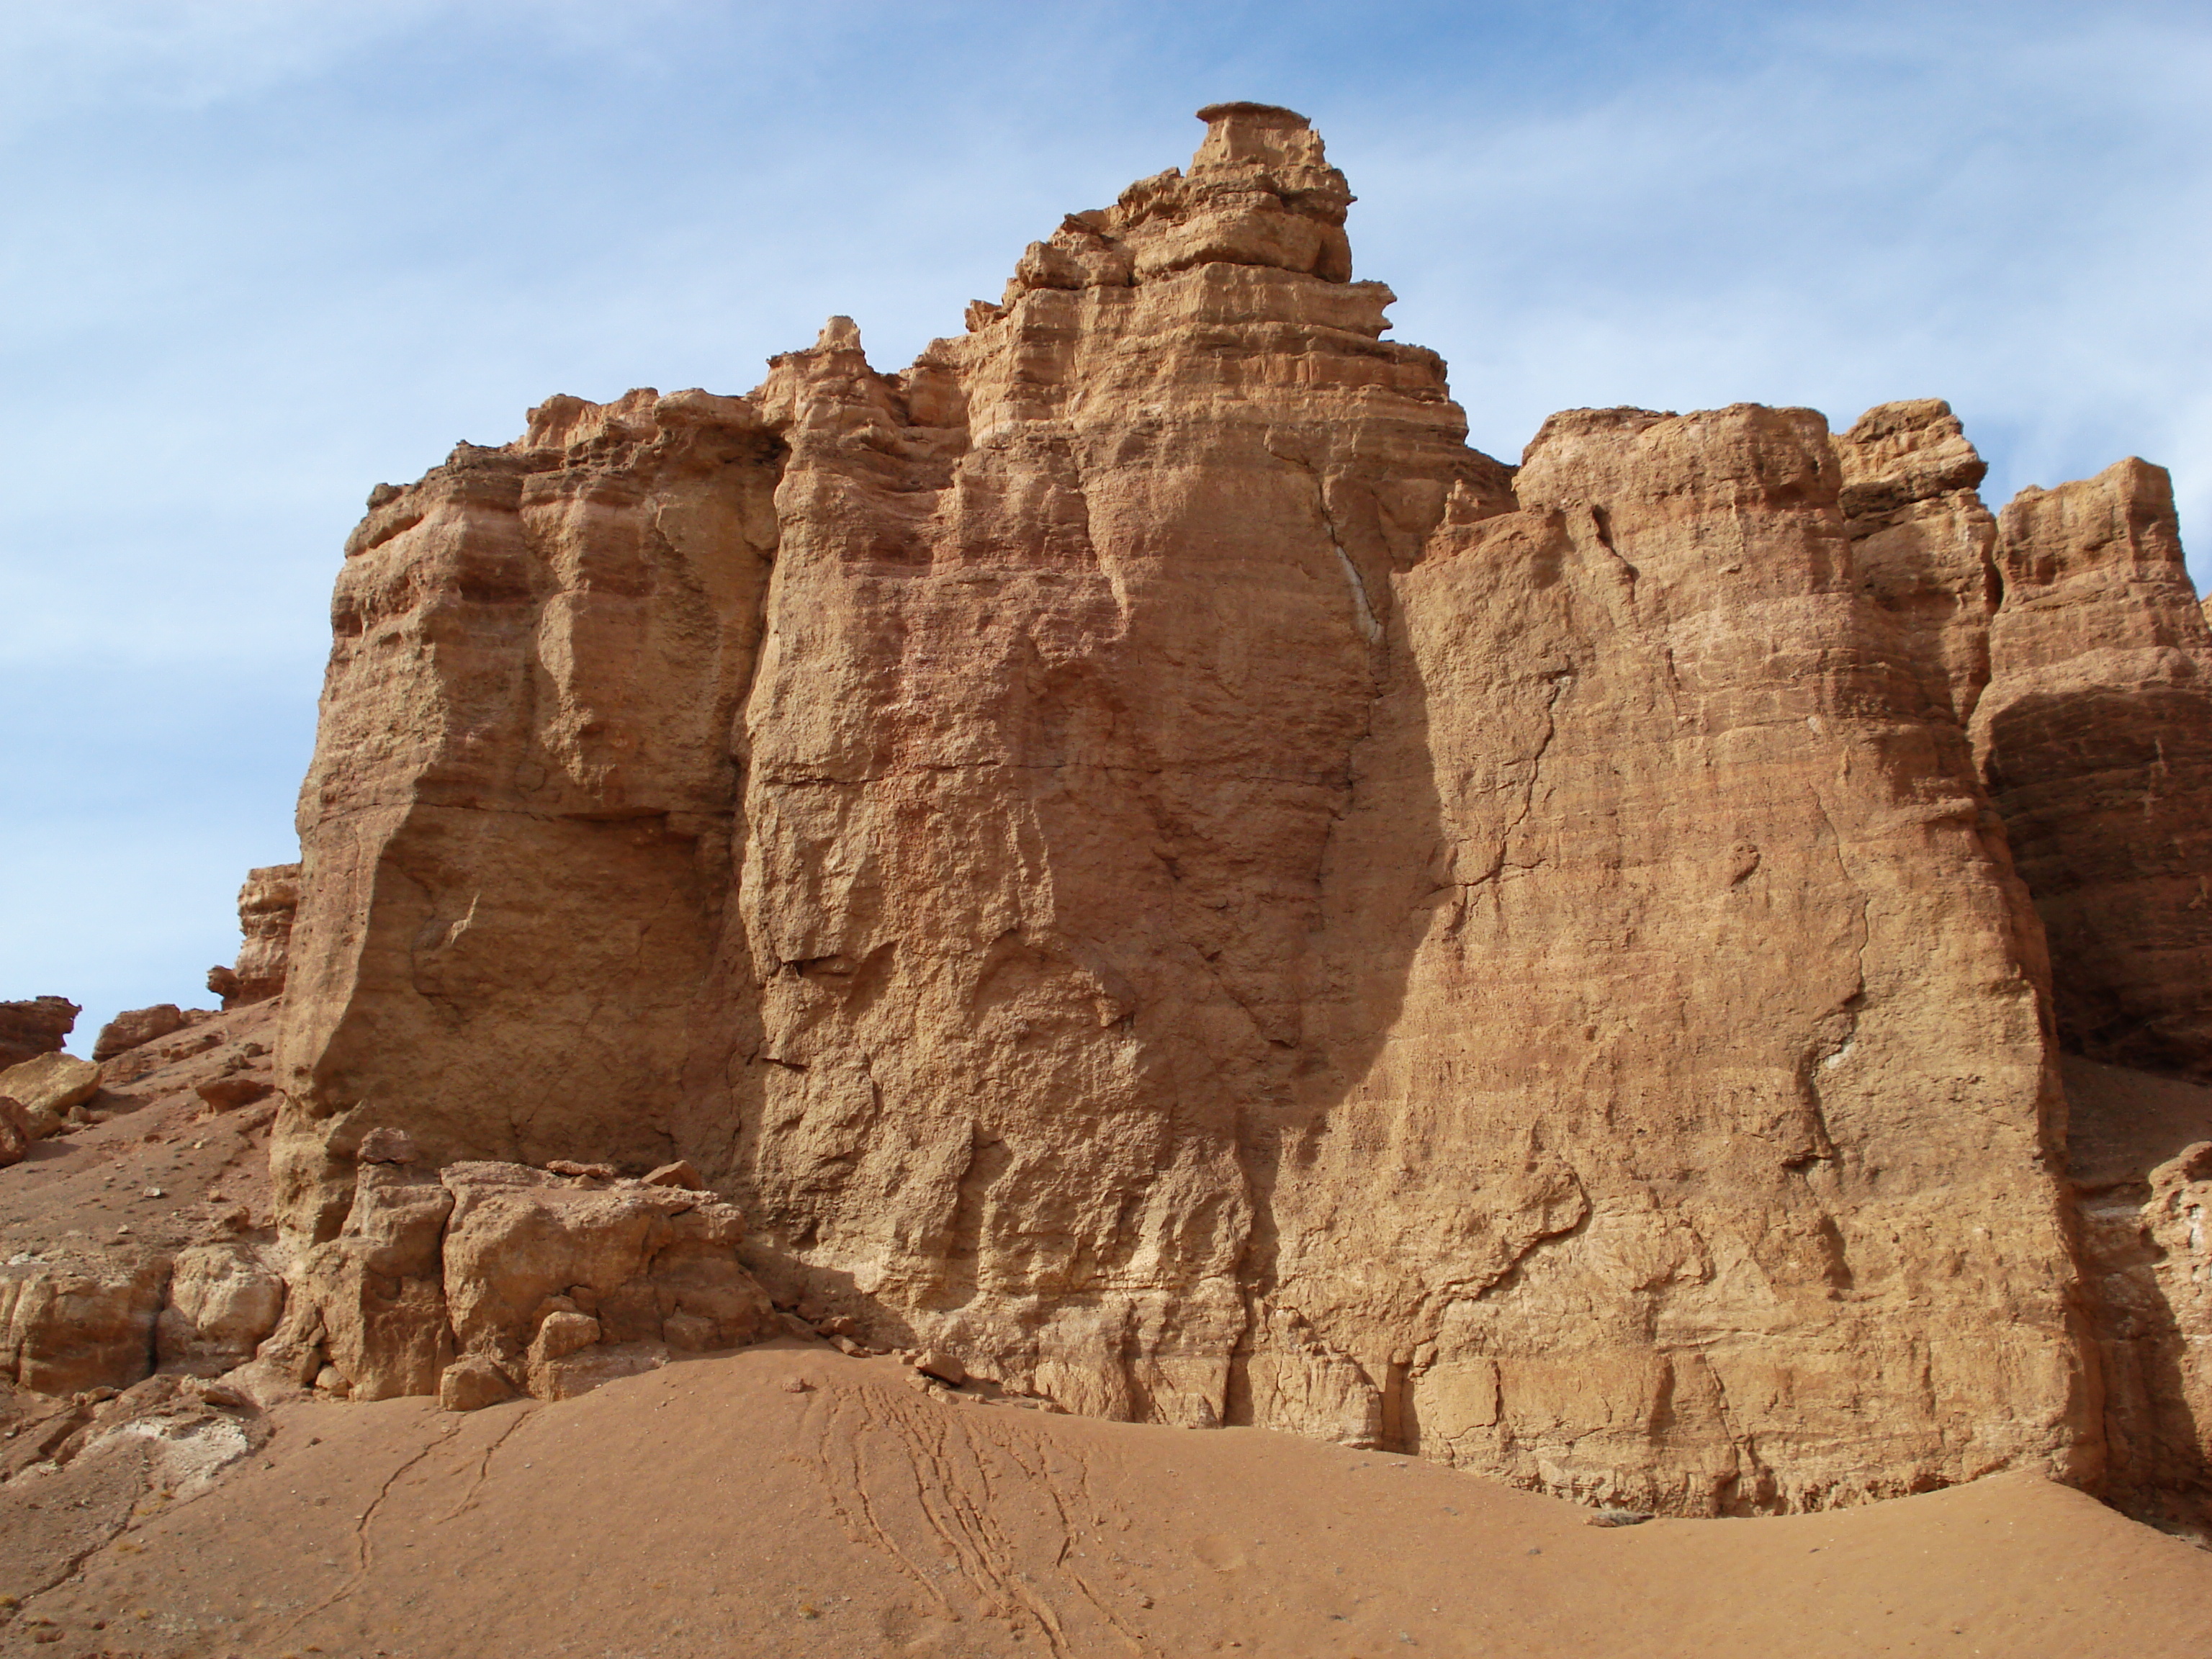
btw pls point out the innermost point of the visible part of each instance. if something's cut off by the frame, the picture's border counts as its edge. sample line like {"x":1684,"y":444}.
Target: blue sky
{"x":259,"y":255}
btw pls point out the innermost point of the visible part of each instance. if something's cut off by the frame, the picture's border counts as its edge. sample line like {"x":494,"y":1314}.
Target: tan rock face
{"x":81,"y":1324}
{"x":136,"y":1027}
{"x":15,"y":1136}
{"x":48,"y":1086}
{"x":37,"y":1027}
{"x":540,"y":1267}
{"x":2095,"y":737}
{"x":1144,"y":867}
{"x":1924,"y":546}
{"x":549,"y":782}
{"x":267,"y":905}
{"x":223,"y":1300}
{"x":1713,"y":998}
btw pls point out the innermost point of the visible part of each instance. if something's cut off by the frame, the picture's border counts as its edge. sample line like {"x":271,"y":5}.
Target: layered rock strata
{"x":267,"y":905}
{"x":2095,"y":739}
{"x":1140,"y":862}
{"x":38,"y":1026}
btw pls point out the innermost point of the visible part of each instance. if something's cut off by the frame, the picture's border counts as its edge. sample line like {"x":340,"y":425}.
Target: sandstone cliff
{"x":2095,"y":736}
{"x":1132,"y":855}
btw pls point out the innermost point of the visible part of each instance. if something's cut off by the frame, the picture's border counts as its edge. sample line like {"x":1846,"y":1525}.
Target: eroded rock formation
{"x":136,"y":1027}
{"x":48,"y":1088}
{"x":2095,"y":736}
{"x":38,"y":1026}
{"x":267,"y":904}
{"x":485,"y":1278}
{"x":1128,"y":857}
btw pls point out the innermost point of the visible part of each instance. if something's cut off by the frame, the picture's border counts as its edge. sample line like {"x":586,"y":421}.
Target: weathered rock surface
{"x":371,"y":1303}
{"x":83,"y":1323}
{"x":37,"y":1027}
{"x":591,"y":600}
{"x":15,"y":1136}
{"x":136,"y":1026}
{"x":2140,"y":1155}
{"x":541,"y":1269}
{"x":223,"y":1300}
{"x":267,"y":905}
{"x":1150,"y":869}
{"x":1924,"y":546}
{"x":48,"y":1086}
{"x":488,"y":1277}
{"x":2095,"y":736}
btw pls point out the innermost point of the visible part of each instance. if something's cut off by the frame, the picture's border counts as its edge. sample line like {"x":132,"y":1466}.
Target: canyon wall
{"x":1134,"y":856}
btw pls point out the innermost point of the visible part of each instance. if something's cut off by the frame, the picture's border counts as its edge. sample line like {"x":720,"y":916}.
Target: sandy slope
{"x":708,"y":1509}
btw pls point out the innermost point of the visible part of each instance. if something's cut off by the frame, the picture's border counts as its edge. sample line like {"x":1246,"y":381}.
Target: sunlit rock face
{"x":1138,"y":860}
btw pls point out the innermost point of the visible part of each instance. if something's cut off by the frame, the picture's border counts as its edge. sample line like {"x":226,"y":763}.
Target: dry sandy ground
{"x":89,"y":1189}
{"x":712,"y":1508}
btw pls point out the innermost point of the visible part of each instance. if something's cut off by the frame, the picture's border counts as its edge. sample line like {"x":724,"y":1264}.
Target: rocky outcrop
{"x":487,"y":1279}
{"x":1717,"y":994}
{"x":1924,"y":547}
{"x":37,"y":1027}
{"x":82,"y":1323}
{"x":267,"y":905}
{"x":1144,"y":865}
{"x":139,"y":1238}
{"x":370,"y":1304}
{"x":559,"y":1283}
{"x":47,"y":1087}
{"x":556,"y":789}
{"x":134,"y":1027}
{"x":2095,"y":738}
{"x":223,"y":1300}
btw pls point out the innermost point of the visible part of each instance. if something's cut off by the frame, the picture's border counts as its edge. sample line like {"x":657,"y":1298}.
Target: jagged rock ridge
{"x":1136,"y":858}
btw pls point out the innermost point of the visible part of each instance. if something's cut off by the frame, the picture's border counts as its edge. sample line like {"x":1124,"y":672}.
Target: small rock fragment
{"x":1616,"y":1518}
{"x":566,"y":1166}
{"x":231,"y":1091}
{"x":797,"y":1385}
{"x":678,"y":1174}
{"x":387,"y":1145}
{"x":470,"y":1383}
{"x":935,"y":1362}
{"x":563,"y":1334}
{"x":135,"y":1026}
